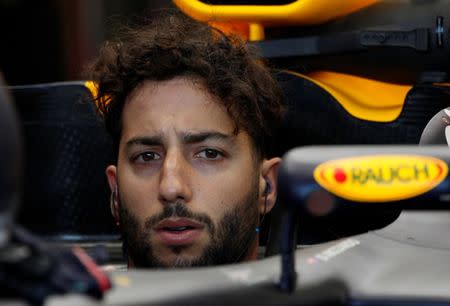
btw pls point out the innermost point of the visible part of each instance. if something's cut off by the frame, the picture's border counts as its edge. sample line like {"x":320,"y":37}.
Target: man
{"x":190,"y":111}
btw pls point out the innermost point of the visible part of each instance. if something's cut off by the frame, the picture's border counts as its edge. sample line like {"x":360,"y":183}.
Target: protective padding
{"x":65,"y":193}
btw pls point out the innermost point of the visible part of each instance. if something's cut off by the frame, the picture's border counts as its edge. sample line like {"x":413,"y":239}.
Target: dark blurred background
{"x":52,"y":40}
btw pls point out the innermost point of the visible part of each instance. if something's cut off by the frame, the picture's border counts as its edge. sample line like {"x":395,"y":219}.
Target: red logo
{"x":339,"y":175}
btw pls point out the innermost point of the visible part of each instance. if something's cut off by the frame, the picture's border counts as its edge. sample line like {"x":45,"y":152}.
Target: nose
{"x":174,"y":179}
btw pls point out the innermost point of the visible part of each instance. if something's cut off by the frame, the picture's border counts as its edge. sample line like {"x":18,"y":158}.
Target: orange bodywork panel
{"x":300,"y":12}
{"x":363,"y":98}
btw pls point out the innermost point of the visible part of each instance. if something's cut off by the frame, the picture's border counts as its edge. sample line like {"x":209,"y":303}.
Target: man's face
{"x":189,"y":189}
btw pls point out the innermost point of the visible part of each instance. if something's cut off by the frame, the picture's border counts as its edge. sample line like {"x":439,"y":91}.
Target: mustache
{"x":179,"y":210}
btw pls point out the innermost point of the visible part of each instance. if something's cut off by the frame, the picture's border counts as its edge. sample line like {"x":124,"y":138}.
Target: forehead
{"x":178,"y":105}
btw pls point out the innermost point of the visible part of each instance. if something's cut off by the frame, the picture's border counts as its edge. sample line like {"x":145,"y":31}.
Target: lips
{"x":178,"y":231}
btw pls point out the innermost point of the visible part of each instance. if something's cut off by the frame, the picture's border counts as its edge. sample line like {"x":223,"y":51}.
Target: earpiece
{"x":268,"y":188}
{"x":114,"y":193}
{"x":113,"y":204}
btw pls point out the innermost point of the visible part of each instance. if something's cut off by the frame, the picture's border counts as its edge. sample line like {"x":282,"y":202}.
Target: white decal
{"x":337,"y":249}
{"x":242,"y":276}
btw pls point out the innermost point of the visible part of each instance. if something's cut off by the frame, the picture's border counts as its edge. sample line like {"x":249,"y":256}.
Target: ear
{"x":269,"y":175}
{"x":111,"y":175}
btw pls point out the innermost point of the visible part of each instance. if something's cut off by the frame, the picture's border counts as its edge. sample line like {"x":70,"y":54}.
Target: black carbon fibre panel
{"x":65,"y":190}
{"x":315,"y":117}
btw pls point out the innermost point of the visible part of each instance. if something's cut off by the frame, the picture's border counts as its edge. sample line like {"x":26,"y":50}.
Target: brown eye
{"x":147,"y":157}
{"x":210,"y":154}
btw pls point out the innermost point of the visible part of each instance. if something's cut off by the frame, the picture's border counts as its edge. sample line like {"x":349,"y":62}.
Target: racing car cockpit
{"x":362,"y":214}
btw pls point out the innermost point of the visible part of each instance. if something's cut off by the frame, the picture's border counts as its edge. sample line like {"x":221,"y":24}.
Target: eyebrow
{"x":187,"y":138}
{"x":190,"y":138}
{"x":145,"y":140}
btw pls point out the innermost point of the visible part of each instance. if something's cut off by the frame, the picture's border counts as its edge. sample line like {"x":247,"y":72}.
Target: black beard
{"x":230,"y":240}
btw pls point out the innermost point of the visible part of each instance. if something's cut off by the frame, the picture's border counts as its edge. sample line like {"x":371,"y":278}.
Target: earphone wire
{"x":257,"y":228}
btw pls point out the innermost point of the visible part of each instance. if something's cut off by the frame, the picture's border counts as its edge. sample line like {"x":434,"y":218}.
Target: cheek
{"x":221,"y":194}
{"x":138,"y":195}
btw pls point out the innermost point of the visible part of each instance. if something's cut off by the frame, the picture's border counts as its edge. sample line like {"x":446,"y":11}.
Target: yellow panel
{"x":256,"y":32}
{"x":363,"y":98}
{"x":93,"y":89}
{"x":300,"y":12}
{"x":247,"y":31}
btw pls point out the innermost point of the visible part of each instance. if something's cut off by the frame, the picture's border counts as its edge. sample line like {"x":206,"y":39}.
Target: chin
{"x":179,"y":261}
{"x":176,"y":257}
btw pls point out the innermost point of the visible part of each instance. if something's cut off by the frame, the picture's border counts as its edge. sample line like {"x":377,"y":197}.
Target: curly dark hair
{"x":173,"y":45}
